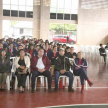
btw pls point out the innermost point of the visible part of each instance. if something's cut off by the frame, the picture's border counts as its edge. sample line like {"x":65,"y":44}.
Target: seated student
{"x":47,"y":52}
{"x":72,"y":53}
{"x":80,"y":69}
{"x":22,"y":63}
{"x":27,"y":45}
{"x":31,"y":50}
{"x":40,"y":65}
{"x":35,"y":52}
{"x":8,"y":53}
{"x":59,"y":46}
{"x":12,"y":49}
{"x":49,"y":46}
{"x":4,"y":44}
{"x":106,"y":47}
{"x":62,"y":67}
{"x":102,"y":52}
{"x":53,"y":55}
{"x":4,"y":68}
{"x":67,"y":54}
{"x":1,"y":46}
{"x":64,"y":46}
{"x":19,"y":48}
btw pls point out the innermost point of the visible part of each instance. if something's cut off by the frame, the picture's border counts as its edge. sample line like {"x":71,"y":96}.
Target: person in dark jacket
{"x":19,"y":48}
{"x":35,"y":52}
{"x":53,"y":55}
{"x":40,"y":65}
{"x":12,"y":49}
{"x":47,"y":52}
{"x":80,"y":69}
{"x":102,"y":52}
{"x":62,"y":67}
{"x":67,"y":53}
{"x":4,"y":68}
{"x":106,"y":47}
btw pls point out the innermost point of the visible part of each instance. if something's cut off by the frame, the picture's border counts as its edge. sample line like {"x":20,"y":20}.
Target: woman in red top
{"x":30,"y":51}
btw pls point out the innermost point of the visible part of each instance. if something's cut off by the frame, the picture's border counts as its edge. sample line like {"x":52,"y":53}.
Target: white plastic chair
{"x":75,"y":82}
{"x":8,"y":82}
{"x":101,"y":59}
{"x":27,"y":82}
{"x":42,"y":81}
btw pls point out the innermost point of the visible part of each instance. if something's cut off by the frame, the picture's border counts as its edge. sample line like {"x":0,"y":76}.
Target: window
{"x":18,"y":8}
{"x":54,"y":3}
{"x":64,"y":8}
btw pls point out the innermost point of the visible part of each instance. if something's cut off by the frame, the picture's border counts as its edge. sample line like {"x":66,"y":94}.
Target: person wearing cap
{"x":80,"y":69}
{"x":62,"y":67}
{"x":22,"y":63}
{"x":4,"y":68}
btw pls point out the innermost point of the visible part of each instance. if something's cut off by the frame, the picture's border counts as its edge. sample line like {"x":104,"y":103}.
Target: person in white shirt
{"x":40,"y":65}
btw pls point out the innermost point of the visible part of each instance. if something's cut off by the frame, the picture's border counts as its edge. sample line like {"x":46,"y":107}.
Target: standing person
{"x":40,"y":65}
{"x":102,"y":52}
{"x":106,"y":47}
{"x":4,"y":68}
{"x":67,"y":39}
{"x":62,"y":67}
{"x":80,"y":69}
{"x":22,"y":63}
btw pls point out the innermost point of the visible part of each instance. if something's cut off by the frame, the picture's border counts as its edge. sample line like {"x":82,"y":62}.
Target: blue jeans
{"x":68,"y":74}
{"x":82,"y":73}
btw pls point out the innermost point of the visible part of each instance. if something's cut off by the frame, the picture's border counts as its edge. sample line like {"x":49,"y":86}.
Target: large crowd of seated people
{"x":41,"y":58}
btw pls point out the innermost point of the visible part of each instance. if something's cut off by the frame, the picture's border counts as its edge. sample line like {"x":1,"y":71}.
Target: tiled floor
{"x":97,"y":94}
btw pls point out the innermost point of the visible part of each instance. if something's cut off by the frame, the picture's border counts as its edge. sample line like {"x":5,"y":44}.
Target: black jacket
{"x":52,"y":58}
{"x":62,"y":62}
{"x":101,"y":50}
{"x":69,"y":55}
{"x":5,"y":67}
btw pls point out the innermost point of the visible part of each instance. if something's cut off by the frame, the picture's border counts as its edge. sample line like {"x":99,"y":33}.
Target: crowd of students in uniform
{"x":41,"y":58}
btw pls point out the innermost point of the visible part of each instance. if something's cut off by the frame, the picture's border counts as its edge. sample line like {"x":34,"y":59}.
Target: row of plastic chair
{"x":90,"y":50}
{"x":42,"y":78}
